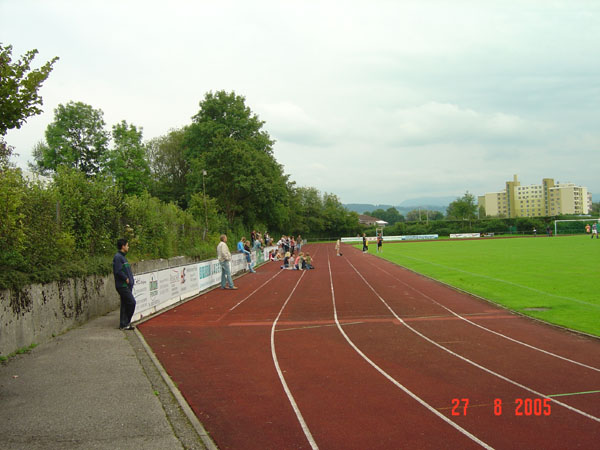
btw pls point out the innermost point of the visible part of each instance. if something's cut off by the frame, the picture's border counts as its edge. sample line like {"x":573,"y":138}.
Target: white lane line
{"x":391,"y":379}
{"x":317,"y":326}
{"x":253,"y":292}
{"x":487,"y":329}
{"x":479,"y":366}
{"x":307,"y":432}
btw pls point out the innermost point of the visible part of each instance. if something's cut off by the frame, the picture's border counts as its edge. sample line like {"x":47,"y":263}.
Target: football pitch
{"x":553,"y":279}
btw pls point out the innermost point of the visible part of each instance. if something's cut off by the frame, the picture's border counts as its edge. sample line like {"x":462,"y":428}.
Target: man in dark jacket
{"x":124,"y":284}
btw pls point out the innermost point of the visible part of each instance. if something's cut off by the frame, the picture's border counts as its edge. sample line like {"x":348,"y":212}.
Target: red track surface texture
{"x":362,"y":354}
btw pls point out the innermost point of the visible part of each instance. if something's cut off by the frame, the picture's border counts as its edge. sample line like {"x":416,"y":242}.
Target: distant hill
{"x":424,"y":201}
{"x":360,"y":208}
{"x":429,"y":203}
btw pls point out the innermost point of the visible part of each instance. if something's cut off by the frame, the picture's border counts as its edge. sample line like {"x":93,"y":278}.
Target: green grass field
{"x":561,"y":274}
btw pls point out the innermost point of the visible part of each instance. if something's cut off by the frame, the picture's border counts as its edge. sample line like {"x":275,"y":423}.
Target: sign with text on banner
{"x":154,"y":291}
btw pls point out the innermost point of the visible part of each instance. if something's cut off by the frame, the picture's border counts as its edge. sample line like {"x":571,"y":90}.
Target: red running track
{"x":363,"y":354}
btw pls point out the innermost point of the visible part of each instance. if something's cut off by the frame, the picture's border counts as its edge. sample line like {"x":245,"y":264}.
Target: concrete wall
{"x":38,"y":312}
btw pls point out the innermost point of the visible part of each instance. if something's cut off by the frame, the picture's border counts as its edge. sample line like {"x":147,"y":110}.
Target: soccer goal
{"x":573,"y":226}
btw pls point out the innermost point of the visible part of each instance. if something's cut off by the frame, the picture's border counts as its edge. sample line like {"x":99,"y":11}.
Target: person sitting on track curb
{"x":224,"y":256}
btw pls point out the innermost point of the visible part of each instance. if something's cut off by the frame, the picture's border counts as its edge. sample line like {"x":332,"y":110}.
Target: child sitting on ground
{"x":299,"y":263}
{"x":308,"y":262}
{"x":286,"y":261}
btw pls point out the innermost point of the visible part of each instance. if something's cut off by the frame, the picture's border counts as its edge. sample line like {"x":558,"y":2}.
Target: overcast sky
{"x":375,"y":101}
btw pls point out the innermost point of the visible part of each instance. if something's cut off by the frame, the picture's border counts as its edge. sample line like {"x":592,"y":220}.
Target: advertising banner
{"x":141,"y":292}
{"x":189,"y":281}
{"x":417,"y":237}
{"x":154,"y":291}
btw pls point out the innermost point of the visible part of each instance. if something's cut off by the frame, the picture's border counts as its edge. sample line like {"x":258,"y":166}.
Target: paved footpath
{"x":94,"y":387}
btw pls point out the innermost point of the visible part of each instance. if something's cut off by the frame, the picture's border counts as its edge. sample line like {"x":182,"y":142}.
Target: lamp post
{"x":205,"y":207}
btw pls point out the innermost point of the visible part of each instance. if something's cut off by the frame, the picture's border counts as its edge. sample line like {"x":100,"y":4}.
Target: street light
{"x":205,"y":207}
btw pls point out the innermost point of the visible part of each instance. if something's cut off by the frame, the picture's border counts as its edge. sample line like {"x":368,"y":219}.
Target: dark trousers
{"x":127,"y":306}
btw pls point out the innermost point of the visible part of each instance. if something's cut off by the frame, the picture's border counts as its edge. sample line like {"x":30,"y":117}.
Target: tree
{"x":126,"y":162}
{"x":5,"y":154}
{"x":417,"y":215}
{"x":227,"y":141}
{"x":595,"y":211}
{"x":169,"y":167}
{"x":19,"y":87}
{"x":462,"y":208}
{"x":76,"y":138}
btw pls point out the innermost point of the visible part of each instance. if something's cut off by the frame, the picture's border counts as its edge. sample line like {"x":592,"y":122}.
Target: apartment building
{"x":547,"y":199}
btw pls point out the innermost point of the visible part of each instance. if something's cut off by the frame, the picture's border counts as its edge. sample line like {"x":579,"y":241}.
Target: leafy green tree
{"x":227,"y":142}
{"x":169,"y":167}
{"x":462,"y":208}
{"x":76,"y":138}
{"x":206,"y":213}
{"x":19,"y":86}
{"x":390,"y":215}
{"x":435,"y":215}
{"x":89,"y":208}
{"x":12,"y":222}
{"x":127,"y":162}
{"x":5,"y":154}
{"x":595,"y":209}
{"x":417,"y":215}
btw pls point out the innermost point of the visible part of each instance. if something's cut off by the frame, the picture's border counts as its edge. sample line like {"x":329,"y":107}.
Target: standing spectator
{"x":124,"y":284}
{"x":224,"y":256}
{"x":379,"y":243}
{"x":337,"y":248}
{"x":292,"y":245}
{"x":246,"y":251}
{"x":299,"y":243}
{"x":588,"y":228}
{"x":365,"y":243}
{"x":595,"y":230}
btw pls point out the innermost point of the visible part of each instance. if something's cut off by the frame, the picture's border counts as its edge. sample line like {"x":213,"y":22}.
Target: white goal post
{"x":589,"y":220}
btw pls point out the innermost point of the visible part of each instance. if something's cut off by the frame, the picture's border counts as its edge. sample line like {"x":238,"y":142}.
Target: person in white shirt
{"x":224,"y":256}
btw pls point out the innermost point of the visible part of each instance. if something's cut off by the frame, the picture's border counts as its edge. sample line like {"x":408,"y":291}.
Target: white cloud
{"x":374,"y":101}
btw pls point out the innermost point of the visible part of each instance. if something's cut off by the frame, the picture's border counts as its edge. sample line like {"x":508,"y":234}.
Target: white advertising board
{"x":154,"y":291}
{"x":417,"y":237}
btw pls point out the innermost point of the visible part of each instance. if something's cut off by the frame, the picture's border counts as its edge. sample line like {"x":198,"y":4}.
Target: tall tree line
{"x":170,"y":195}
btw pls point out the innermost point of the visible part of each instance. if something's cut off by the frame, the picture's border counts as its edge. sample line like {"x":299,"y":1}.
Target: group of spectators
{"x":289,"y":251}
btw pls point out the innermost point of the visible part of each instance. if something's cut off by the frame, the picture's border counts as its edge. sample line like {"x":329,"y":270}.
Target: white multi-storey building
{"x":547,"y":199}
